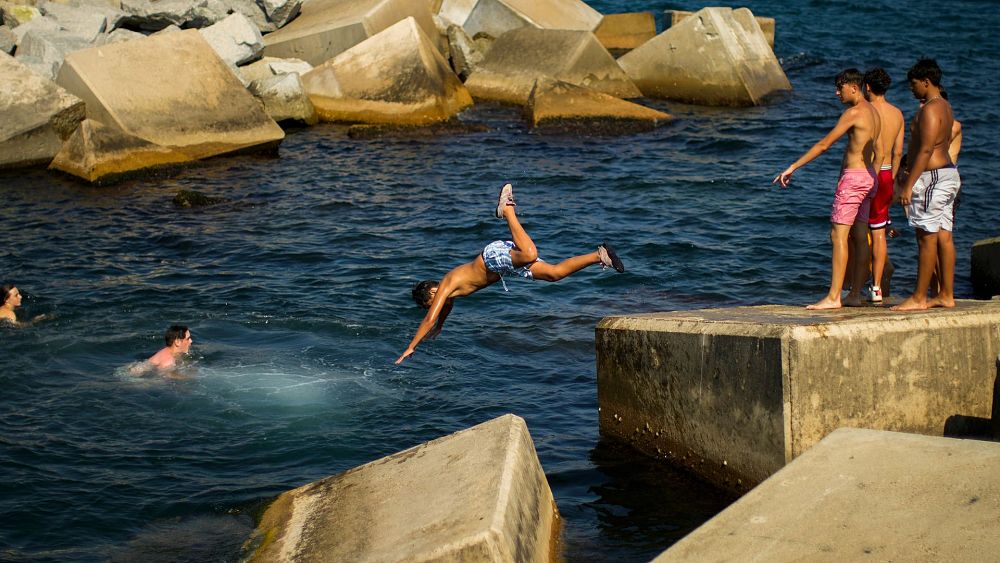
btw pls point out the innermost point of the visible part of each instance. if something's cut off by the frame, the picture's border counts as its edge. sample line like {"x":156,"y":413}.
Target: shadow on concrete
{"x":974,"y":427}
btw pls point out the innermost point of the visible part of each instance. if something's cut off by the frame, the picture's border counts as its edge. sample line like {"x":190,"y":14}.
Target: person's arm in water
{"x":843,"y":125}
{"x":440,"y":308}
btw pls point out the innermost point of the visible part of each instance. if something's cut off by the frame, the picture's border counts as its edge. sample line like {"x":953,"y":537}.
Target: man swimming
{"x":929,"y":187}
{"x":178,"y":340}
{"x":500,"y":258}
{"x":851,"y":202}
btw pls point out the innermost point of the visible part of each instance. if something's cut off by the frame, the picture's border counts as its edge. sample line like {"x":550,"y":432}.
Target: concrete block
{"x":189,"y":102}
{"x":97,"y":153}
{"x":326,"y":28}
{"x":863,"y":495}
{"x":626,"y":31}
{"x":716,"y":57}
{"x":476,"y":495}
{"x":270,"y":66}
{"x":397,"y":76}
{"x":986,"y":267}
{"x":554,"y":104}
{"x":280,"y":12}
{"x":36,"y":115}
{"x":496,"y":17}
{"x":518,"y":58}
{"x":235,"y":39}
{"x":767,"y":25}
{"x":284,"y":98}
{"x":735,"y":394}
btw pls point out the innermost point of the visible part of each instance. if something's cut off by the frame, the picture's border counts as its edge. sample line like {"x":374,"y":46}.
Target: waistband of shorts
{"x":886,"y":167}
{"x":853,"y":171}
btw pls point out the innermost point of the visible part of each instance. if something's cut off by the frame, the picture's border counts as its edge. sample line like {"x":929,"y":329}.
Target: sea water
{"x":296,"y":291}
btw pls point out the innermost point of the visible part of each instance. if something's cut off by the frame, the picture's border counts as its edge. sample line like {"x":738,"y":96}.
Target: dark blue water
{"x":297,"y":294}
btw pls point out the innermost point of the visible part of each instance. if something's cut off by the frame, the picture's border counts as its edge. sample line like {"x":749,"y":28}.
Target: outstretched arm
{"x":844,"y":124}
{"x":440,"y":307}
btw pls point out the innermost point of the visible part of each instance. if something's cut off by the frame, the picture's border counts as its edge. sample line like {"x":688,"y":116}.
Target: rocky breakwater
{"x":168,"y":82}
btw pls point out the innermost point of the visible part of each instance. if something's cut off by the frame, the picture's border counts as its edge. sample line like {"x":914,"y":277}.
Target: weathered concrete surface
{"x":189,"y":102}
{"x":735,"y":394}
{"x":716,"y":57}
{"x":235,"y":39}
{"x":863,"y":495}
{"x":626,"y":31}
{"x":397,"y":76}
{"x":7,"y":40}
{"x":518,"y":58}
{"x":36,"y":115}
{"x":97,"y":153}
{"x":767,"y":25}
{"x":326,"y":28}
{"x":270,"y":66}
{"x":285,"y":98}
{"x":557,"y":104}
{"x":496,"y":17}
{"x":986,"y":267}
{"x":476,"y":495}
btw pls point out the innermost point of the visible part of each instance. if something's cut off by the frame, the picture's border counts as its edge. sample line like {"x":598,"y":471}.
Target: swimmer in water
{"x":178,"y":340}
{"x":11,"y":300}
{"x":518,"y":258}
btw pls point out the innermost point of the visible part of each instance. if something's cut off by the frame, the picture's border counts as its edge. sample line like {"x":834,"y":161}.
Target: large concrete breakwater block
{"x":767,"y":25}
{"x":476,"y":495}
{"x":36,"y":115}
{"x":170,"y":90}
{"x":496,"y":17}
{"x":716,"y":57}
{"x":326,"y":28}
{"x":863,"y":495}
{"x":986,"y":267}
{"x":558,"y":105}
{"x":518,"y":58}
{"x":735,"y":394}
{"x":397,"y":77}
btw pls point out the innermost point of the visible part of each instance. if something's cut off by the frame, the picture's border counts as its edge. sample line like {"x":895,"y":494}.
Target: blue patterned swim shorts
{"x":497,"y":258}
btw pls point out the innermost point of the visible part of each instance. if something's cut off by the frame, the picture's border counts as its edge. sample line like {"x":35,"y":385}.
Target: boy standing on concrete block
{"x":851,"y":202}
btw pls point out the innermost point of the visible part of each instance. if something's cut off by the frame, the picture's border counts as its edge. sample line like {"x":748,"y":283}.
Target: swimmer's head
{"x":925,"y":69}
{"x":9,"y":292}
{"x":878,"y":81}
{"x":176,"y":333}
{"x":423,"y":293}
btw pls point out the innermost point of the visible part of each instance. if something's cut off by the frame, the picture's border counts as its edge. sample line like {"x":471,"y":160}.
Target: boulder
{"x":99,"y":154}
{"x":254,"y":13}
{"x":188,"y":102}
{"x":118,"y":35}
{"x":44,"y":51}
{"x":767,"y":25}
{"x":280,"y":12}
{"x":326,"y":28}
{"x":284,"y":98}
{"x":397,"y":76}
{"x":269,"y":66}
{"x":19,"y":14}
{"x":497,"y":17}
{"x":36,"y":115}
{"x":40,"y":24}
{"x":87,"y":22}
{"x":716,"y":57}
{"x":7,"y":40}
{"x":192,"y":198}
{"x":519,"y":57}
{"x":624,"y":32}
{"x":477,"y":495}
{"x":986,"y":268}
{"x":235,"y":39}
{"x":465,"y":54}
{"x":554,"y":104}
{"x":154,"y":15}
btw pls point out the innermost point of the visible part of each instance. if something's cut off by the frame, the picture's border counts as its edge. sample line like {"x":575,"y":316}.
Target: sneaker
{"x":506,"y":198}
{"x":874,"y":294}
{"x":609,"y":259}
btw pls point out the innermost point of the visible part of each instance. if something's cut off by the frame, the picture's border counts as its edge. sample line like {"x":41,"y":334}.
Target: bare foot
{"x":825,"y":303}
{"x":939,"y":301}
{"x":910,"y":304}
{"x":853,"y":301}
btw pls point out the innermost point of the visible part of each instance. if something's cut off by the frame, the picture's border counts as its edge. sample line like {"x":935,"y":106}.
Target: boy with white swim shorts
{"x":929,"y":187}
{"x":851,"y":202}
{"x":500,"y":258}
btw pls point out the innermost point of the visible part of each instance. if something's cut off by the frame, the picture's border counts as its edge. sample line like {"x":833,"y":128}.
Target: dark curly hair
{"x":422,"y":293}
{"x":878,"y":80}
{"x":925,"y":69}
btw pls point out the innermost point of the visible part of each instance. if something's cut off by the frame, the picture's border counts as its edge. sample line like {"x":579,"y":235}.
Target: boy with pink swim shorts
{"x":852,"y":200}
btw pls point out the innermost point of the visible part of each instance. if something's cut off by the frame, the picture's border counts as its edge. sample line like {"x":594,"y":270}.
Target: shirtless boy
{"x":500,"y":258}
{"x":178,"y":340}
{"x":890,"y":142}
{"x":929,"y":187}
{"x":851,"y":202}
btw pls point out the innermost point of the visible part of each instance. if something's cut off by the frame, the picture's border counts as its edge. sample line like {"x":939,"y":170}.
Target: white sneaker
{"x":506,"y":198}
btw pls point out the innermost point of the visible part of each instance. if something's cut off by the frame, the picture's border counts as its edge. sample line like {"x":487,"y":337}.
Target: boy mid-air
{"x":518,"y":257}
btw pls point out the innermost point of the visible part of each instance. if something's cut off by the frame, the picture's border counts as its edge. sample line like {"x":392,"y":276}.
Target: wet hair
{"x":878,"y":80}
{"x":925,"y":69}
{"x":5,"y":290}
{"x":422,"y":293}
{"x":174,"y":333}
{"x":850,"y":76}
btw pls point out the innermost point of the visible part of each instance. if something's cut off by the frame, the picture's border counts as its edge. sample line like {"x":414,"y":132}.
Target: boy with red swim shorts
{"x":851,"y":202}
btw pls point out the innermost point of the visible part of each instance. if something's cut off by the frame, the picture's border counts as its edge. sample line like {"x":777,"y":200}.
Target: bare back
{"x":889,"y":143}
{"x":862,"y":150}
{"x":932,"y":127}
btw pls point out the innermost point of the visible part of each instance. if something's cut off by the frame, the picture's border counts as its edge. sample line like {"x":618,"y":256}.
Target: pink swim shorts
{"x":853,"y":197}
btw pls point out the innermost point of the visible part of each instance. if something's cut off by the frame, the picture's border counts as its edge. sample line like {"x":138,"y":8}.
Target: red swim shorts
{"x":879,"y":216}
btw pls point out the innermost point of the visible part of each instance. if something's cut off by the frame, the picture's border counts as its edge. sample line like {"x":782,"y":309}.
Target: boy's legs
{"x":524,"y":251}
{"x":838,"y":237}
{"x":861,"y":253}
{"x":880,"y":251}
{"x":927,"y":245}
{"x":946,"y":271}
